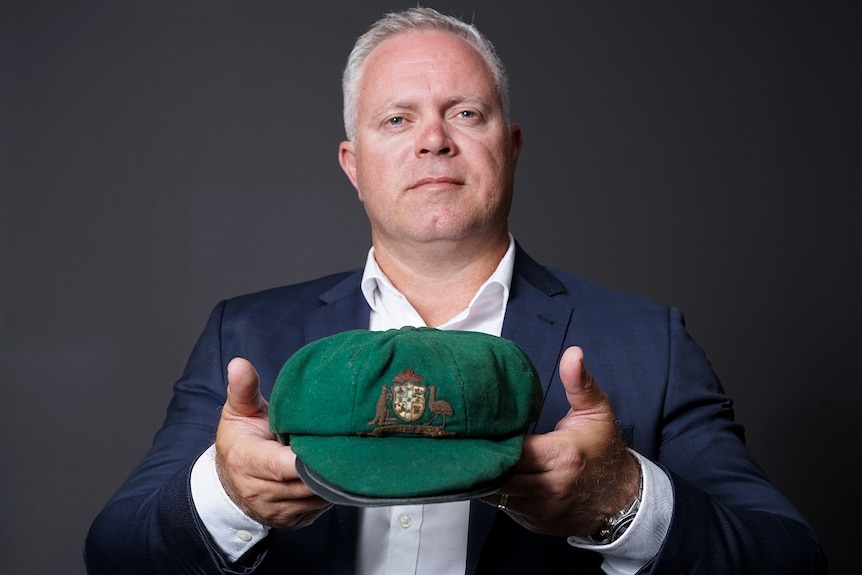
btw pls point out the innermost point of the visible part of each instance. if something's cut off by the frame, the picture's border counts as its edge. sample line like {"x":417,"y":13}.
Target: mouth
{"x":437,"y":182}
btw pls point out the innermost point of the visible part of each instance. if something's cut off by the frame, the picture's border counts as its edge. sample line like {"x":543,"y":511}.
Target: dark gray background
{"x":157,"y":157}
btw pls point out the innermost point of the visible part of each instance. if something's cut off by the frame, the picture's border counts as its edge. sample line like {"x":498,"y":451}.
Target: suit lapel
{"x":481,"y":518}
{"x":344,"y":309}
{"x":535,"y":319}
{"x":537,"y":322}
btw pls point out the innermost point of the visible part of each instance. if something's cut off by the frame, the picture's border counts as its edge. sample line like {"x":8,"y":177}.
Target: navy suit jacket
{"x":728,"y":518}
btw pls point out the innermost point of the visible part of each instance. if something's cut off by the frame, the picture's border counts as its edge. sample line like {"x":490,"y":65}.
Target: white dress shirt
{"x":431,"y":539}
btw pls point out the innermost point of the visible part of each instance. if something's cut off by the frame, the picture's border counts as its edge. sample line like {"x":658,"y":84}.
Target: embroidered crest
{"x":406,"y":398}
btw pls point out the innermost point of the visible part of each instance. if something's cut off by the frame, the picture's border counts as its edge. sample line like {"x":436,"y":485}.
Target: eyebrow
{"x":478,"y":101}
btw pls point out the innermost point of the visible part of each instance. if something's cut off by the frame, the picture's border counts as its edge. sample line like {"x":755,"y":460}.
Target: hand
{"x":257,"y":472}
{"x":567,"y":481}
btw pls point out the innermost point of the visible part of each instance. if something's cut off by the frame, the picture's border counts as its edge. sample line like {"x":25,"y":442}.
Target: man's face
{"x":433,"y":158}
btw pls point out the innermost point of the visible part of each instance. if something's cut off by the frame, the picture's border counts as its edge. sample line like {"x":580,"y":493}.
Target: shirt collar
{"x":491,"y":295}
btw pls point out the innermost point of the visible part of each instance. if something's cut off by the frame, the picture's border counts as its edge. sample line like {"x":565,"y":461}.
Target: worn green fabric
{"x":413,"y":412}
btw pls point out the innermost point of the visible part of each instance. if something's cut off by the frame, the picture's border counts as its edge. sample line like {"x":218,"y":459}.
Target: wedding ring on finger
{"x":504,"y":499}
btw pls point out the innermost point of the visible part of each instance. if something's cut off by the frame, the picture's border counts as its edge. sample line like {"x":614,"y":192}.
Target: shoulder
{"x":581,"y":293}
{"x":579,"y":288}
{"x":267,"y":326}
{"x":303,"y":295}
{"x":615,"y":316}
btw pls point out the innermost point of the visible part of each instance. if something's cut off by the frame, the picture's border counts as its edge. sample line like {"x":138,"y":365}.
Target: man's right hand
{"x":258,"y":472}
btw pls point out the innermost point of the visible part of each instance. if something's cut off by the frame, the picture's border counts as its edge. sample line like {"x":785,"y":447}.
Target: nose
{"x":435,"y":140}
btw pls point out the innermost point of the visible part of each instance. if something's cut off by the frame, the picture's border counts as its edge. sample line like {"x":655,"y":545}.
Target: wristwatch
{"x":615,"y":525}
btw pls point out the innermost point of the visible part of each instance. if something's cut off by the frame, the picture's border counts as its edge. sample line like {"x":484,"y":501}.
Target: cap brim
{"x":371,"y":471}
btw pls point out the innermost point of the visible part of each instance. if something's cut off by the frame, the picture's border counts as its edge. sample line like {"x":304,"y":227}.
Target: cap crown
{"x":407,"y":415}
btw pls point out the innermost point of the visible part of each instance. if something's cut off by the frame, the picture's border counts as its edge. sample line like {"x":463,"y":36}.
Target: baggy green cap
{"x":412,"y":415}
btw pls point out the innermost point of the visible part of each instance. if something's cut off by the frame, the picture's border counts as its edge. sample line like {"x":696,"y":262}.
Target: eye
{"x":468,"y":117}
{"x":395,"y":121}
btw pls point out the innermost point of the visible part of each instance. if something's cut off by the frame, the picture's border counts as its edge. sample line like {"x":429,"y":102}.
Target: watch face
{"x":621,"y":527}
{"x":615,"y":525}
{"x":618,"y":523}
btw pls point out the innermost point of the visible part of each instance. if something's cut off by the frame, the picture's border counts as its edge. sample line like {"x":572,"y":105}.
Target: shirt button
{"x":243,"y":535}
{"x":405,"y":521}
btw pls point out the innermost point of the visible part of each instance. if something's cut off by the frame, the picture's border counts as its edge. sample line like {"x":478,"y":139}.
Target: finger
{"x":581,"y":389}
{"x":286,"y":504}
{"x":534,"y":456}
{"x":243,"y":389}
{"x":264,"y":459}
{"x":306,"y":518}
{"x":280,"y":485}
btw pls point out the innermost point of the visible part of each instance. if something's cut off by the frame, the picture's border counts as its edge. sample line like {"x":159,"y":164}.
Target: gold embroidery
{"x":406,"y":399}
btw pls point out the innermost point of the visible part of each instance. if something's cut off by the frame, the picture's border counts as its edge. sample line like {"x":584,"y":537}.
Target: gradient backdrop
{"x":156,"y":157}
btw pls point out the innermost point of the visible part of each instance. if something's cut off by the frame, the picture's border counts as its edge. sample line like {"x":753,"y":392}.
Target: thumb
{"x":243,"y":388}
{"x":581,"y":389}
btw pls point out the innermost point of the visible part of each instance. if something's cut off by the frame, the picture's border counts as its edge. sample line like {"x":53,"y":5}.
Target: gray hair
{"x":419,"y":18}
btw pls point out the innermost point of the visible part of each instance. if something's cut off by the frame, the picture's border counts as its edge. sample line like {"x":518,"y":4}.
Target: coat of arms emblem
{"x":406,"y":398}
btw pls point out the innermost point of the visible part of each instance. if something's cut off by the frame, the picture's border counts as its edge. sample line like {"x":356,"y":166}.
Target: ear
{"x":347,"y":160}
{"x":517,"y":141}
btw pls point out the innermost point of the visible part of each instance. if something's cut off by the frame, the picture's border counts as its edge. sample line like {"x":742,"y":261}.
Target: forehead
{"x":424,"y":57}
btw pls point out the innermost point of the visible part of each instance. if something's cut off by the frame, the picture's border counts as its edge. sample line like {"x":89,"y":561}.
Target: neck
{"x":440,"y":278}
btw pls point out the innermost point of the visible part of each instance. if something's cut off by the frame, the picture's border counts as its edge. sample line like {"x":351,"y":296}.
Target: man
{"x":634,"y":465}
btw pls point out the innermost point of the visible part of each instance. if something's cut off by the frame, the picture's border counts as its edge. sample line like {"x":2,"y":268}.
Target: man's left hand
{"x":567,"y":481}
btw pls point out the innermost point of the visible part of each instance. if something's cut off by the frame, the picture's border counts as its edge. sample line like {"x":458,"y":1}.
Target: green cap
{"x":411,"y":415}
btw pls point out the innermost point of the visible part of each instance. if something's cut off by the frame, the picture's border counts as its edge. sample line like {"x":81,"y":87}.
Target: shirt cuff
{"x":642,"y":540}
{"x":234,"y":532}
